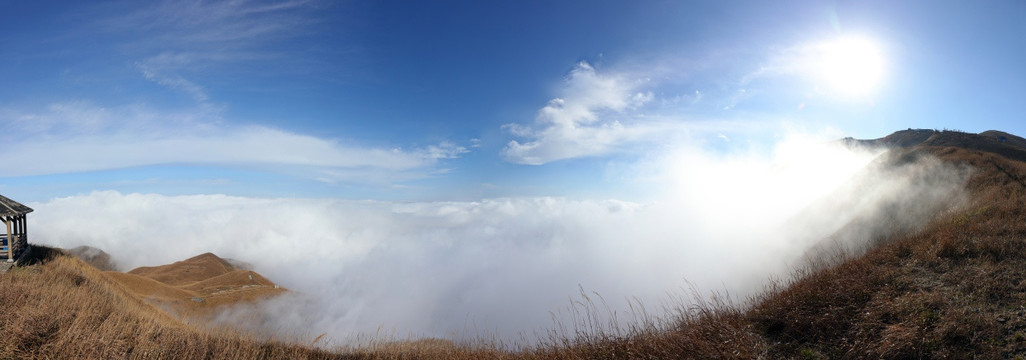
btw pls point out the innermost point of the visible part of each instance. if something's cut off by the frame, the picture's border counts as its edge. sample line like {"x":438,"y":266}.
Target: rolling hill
{"x":59,"y":307}
{"x":952,"y":287}
{"x":196,"y":287}
{"x":193,"y":288}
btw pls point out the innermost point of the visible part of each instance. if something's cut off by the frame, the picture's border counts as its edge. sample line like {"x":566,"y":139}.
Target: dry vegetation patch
{"x":197,"y":288}
{"x":63,"y":308}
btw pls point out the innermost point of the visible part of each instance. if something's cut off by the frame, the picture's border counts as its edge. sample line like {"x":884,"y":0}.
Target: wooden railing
{"x":10,"y":249}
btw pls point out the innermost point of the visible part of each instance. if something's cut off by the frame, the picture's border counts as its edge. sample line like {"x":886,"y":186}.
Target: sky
{"x":467,"y":100}
{"x":445,"y":147}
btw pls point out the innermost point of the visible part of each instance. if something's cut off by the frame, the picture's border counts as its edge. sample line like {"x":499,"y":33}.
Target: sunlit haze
{"x":852,"y":66}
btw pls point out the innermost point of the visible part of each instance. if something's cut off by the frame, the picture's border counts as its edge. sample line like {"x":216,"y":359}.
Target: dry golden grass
{"x":149,"y":289}
{"x":185,"y":272}
{"x":196,"y":288}
{"x":64,"y":308}
{"x":956,"y":289}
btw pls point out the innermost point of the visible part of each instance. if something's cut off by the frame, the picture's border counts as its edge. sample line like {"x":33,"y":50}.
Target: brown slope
{"x":1004,"y":137}
{"x":907,"y":138}
{"x":149,"y":289}
{"x":232,"y":279}
{"x":196,"y":287}
{"x":979,"y":142}
{"x":953,"y":290}
{"x":61,"y":308}
{"x":234,"y":287}
{"x":185,"y":272}
{"x":991,"y":141}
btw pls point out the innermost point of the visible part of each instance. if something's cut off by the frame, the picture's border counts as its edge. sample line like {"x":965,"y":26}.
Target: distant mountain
{"x":204,"y":279}
{"x":194,"y":269}
{"x":198,"y":285}
{"x":93,"y":256}
{"x":992,"y":141}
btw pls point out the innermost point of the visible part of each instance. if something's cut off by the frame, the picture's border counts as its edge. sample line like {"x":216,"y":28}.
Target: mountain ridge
{"x":195,"y":287}
{"x":992,"y":141}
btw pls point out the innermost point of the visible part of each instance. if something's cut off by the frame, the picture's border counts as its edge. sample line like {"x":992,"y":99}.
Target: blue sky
{"x":466,"y":100}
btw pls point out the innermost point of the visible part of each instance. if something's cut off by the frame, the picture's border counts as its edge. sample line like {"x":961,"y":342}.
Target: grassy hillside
{"x":64,"y":308}
{"x":196,"y":287}
{"x":58,"y":306}
{"x":952,"y":289}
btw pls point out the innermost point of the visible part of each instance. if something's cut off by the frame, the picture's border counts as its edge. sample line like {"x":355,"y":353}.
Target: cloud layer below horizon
{"x":504,"y":266}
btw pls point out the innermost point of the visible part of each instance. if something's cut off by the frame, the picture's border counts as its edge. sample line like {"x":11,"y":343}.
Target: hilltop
{"x":195,"y":288}
{"x":991,"y":141}
{"x":198,"y":286}
{"x":952,"y":287}
{"x":61,"y":307}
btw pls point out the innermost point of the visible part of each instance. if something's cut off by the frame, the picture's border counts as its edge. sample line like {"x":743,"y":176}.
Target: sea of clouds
{"x":509,"y":267}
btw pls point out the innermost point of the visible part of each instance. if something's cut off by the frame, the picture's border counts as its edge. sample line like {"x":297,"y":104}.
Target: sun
{"x":850,"y":66}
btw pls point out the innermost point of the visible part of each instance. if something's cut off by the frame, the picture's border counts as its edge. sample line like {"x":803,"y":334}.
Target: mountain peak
{"x":188,"y":271}
{"x":992,"y":141}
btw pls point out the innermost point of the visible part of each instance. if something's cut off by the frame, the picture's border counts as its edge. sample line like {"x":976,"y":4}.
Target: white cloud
{"x":502,"y":265}
{"x":78,"y":137}
{"x":594,"y":116}
{"x":445,"y":150}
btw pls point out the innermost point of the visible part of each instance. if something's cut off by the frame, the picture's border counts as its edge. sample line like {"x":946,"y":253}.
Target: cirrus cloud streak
{"x":78,"y":137}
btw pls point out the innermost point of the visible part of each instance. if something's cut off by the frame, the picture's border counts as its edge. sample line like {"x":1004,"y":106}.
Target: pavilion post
{"x":19,"y":230}
{"x":10,"y":240}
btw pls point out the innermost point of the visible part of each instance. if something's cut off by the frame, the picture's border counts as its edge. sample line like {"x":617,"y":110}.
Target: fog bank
{"x":501,"y":266}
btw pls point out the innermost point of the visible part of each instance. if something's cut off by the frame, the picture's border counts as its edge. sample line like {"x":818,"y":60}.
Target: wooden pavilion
{"x":14,"y":241}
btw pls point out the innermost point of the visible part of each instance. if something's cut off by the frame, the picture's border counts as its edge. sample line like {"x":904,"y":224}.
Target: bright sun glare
{"x":851,"y":66}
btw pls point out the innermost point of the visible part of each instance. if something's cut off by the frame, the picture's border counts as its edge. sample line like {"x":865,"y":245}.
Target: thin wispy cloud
{"x":80,"y":136}
{"x":160,"y":73}
{"x":174,"y":43}
{"x":226,"y":25}
{"x":190,"y":48}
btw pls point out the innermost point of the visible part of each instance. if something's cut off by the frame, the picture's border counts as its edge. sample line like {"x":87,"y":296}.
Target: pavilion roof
{"x":10,"y":207}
